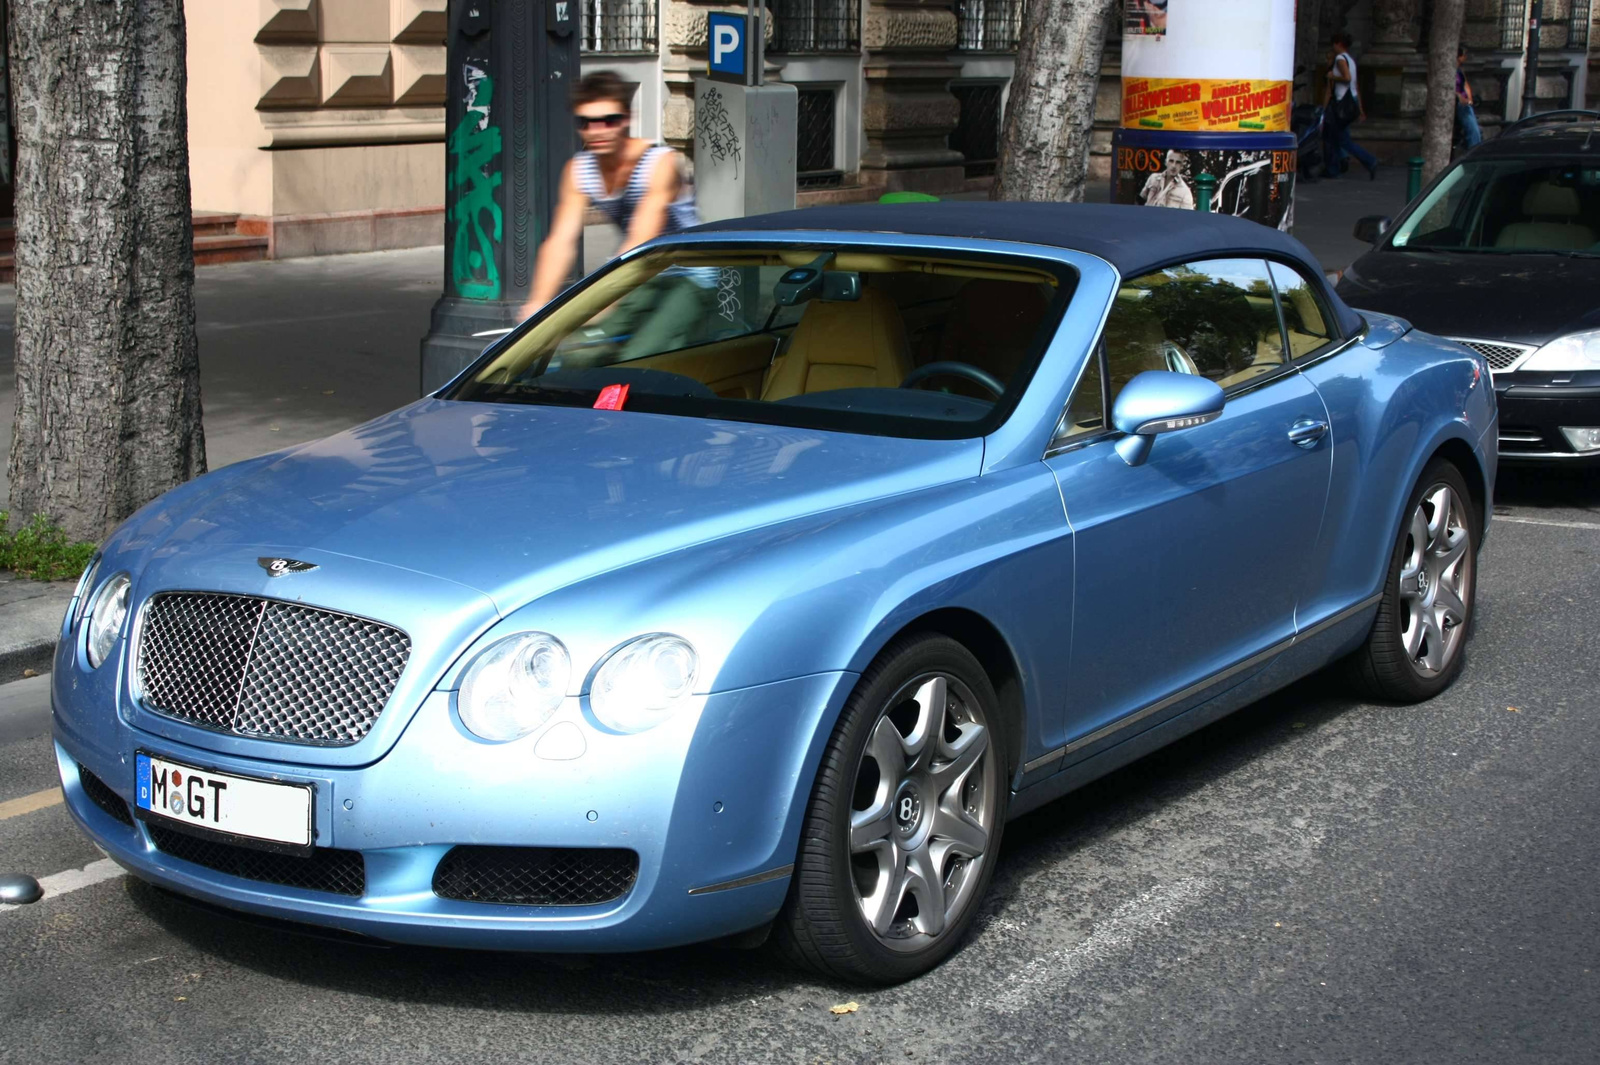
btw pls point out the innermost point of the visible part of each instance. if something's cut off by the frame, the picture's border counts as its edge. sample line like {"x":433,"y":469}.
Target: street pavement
{"x":1314,"y":879}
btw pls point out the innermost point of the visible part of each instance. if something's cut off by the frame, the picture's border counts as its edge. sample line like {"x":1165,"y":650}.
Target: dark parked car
{"x":1502,"y":253}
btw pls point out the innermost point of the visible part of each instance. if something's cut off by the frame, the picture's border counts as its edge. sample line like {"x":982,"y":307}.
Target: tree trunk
{"x":1044,"y":147}
{"x":1444,"y":34}
{"x":107,"y":365}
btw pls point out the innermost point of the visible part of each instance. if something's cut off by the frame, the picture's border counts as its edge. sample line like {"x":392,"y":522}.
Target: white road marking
{"x":1113,"y":935}
{"x":71,"y":880}
{"x":26,"y":804}
{"x":1555,"y":524}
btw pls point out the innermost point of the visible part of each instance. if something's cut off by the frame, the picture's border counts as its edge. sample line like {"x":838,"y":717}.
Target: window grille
{"x":1513,"y":25}
{"x":1578,"y":26}
{"x":988,"y":25}
{"x":815,"y":26}
{"x":977,"y":132}
{"x":814,"y":159}
{"x":619,"y":25}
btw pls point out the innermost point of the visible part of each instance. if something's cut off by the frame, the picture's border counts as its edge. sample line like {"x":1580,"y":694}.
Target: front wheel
{"x":900,"y":838}
{"x":1415,"y":649}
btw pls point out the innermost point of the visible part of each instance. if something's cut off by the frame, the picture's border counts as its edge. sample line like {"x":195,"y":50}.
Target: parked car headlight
{"x":644,"y":682}
{"x":105,"y":620}
{"x":513,"y":687}
{"x":1575,"y":351}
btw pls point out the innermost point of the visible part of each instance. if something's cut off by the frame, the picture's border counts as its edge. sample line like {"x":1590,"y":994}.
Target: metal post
{"x":508,"y":136}
{"x":1205,"y":184}
{"x":1413,"y":177}
{"x":1530,"y":76}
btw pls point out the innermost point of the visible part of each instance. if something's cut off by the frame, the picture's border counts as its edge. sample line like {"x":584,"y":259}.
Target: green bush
{"x":41,"y":550}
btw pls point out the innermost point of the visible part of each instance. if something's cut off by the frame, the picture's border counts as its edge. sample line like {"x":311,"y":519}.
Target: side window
{"x":1216,"y":319}
{"x":1305,"y":317}
{"x":1085,"y":412}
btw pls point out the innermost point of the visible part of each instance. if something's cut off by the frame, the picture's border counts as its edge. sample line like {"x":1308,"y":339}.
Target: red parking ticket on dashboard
{"x":612,"y":397}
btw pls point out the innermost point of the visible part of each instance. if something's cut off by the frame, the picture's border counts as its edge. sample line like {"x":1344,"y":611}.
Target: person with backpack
{"x":1344,"y":109}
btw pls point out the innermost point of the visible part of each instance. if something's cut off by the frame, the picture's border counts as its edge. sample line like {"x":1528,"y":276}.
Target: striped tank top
{"x":620,"y":205}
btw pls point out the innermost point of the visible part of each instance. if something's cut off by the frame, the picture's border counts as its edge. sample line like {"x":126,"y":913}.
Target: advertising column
{"x":1206,"y":89}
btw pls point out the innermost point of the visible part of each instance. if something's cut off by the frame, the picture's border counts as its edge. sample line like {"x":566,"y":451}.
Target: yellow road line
{"x":29,"y":803}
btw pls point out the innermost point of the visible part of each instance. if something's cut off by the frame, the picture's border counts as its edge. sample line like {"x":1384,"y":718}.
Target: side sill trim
{"x":1194,"y":689}
{"x":745,"y":881}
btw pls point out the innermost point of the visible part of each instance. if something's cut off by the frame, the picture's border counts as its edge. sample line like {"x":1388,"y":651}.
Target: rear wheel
{"x":900,"y":838}
{"x":1415,"y":649}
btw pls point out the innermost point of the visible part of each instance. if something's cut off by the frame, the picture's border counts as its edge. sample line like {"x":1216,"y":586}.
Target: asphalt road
{"x":1311,"y":880}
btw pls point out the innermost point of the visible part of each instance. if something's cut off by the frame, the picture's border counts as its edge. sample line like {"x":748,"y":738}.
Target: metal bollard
{"x":1413,"y":177}
{"x":1206,"y":184}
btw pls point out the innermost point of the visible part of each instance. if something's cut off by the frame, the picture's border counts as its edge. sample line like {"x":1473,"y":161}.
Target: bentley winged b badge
{"x":278,"y":567}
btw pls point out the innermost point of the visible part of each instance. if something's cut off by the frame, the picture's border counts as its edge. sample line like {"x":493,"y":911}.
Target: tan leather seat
{"x":1553,"y":210}
{"x":1134,"y":338}
{"x":848,"y":344}
{"x":992,"y":324}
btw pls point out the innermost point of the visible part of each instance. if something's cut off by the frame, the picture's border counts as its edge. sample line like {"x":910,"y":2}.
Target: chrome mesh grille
{"x":260,"y":667}
{"x":1500,"y":355}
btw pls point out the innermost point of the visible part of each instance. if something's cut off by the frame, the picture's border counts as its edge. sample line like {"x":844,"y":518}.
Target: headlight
{"x":76,"y":606}
{"x":643,"y":683}
{"x":105,"y":620}
{"x":513,"y":687}
{"x":1575,"y":351}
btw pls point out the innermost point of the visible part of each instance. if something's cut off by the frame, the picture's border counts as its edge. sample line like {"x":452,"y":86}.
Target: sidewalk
{"x":294,"y":350}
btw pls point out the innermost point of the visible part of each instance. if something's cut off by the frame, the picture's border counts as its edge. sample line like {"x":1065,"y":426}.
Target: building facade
{"x":321,"y":122}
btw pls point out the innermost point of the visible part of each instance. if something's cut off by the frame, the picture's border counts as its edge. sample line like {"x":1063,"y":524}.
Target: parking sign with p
{"x":728,"y":45}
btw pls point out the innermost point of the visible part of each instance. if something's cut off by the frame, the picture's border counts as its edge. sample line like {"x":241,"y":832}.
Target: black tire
{"x":1382,"y":669}
{"x":822,"y":926}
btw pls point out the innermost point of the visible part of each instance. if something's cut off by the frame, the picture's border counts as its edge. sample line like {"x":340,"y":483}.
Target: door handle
{"x":1307,"y":431}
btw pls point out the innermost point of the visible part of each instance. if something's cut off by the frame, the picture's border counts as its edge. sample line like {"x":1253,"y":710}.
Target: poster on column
{"x":1207,"y":65}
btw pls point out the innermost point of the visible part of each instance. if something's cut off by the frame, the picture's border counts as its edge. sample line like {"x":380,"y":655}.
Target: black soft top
{"x":1135,"y":240}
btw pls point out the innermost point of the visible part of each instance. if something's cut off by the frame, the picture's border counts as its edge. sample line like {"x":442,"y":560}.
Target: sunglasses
{"x":613,"y":121}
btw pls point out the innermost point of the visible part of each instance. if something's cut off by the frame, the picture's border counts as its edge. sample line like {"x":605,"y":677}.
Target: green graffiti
{"x":473,"y":147}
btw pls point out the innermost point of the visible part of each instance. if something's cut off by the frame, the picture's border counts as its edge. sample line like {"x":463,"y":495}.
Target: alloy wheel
{"x":1435,"y":578}
{"x":923,"y":811}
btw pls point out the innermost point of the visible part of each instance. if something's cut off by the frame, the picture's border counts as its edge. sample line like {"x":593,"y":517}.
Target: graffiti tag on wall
{"x":714,"y":130}
{"x":474,"y":147}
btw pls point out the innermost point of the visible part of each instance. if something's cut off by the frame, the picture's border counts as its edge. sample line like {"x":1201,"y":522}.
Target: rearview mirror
{"x":1371,"y":228}
{"x":1158,"y":401}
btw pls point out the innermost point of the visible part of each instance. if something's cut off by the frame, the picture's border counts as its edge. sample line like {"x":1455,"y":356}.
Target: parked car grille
{"x":324,"y":869}
{"x":261,"y":667}
{"x":536,"y":876}
{"x":1501,"y":356}
{"x":100,"y":793}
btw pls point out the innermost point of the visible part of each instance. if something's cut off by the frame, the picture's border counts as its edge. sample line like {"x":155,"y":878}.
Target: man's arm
{"x":650,"y":217}
{"x":560,"y":248}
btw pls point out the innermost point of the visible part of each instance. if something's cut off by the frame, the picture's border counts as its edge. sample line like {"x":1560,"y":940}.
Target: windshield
{"x":890,"y":342}
{"x":1509,"y":205}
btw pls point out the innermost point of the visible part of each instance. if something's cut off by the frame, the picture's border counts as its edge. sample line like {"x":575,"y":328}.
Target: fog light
{"x":1582,"y":439}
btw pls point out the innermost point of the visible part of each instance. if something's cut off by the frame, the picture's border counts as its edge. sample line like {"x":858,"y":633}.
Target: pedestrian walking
{"x":641,"y":188}
{"x":1466,"y":115}
{"x":1344,"y":109}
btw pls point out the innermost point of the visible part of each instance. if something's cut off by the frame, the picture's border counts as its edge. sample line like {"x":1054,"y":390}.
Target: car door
{"x":1188,"y":567}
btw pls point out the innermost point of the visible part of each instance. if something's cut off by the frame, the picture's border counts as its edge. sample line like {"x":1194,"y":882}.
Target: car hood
{"x":515,"y":501}
{"x":1527,"y":299}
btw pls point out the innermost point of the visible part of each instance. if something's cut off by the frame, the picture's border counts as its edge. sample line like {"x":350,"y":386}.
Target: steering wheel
{"x":982,"y":378}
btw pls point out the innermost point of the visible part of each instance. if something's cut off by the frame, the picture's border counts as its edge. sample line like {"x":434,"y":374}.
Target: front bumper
{"x":714,"y":798}
{"x":1535,"y":406}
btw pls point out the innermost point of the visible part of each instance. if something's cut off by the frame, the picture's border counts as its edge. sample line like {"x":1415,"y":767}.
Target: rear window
{"x":1509,"y":206}
{"x":888,"y":342}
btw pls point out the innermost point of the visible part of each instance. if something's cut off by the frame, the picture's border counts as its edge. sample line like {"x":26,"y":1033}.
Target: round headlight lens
{"x":513,"y":687}
{"x":643,"y":683}
{"x":105,"y":620}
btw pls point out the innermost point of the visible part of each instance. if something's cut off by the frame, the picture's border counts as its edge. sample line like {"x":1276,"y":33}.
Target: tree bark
{"x":1444,"y":34}
{"x":1044,"y":147}
{"x":107,"y":364}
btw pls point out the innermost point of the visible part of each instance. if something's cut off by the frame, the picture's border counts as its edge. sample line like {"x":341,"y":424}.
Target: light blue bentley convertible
{"x":759,"y":579}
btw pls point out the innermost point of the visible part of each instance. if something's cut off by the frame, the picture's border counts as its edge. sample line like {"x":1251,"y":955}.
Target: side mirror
{"x":1371,"y":228}
{"x":1157,"y":401}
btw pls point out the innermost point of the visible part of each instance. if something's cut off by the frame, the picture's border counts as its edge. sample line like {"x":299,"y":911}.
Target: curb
{"x":30,"y":623}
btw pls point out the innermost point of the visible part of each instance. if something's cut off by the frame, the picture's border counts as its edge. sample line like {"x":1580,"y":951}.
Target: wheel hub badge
{"x":1422,"y":582}
{"x":908,"y":809}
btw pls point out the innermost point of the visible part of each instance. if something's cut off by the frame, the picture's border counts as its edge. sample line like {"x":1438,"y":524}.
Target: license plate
{"x":222,"y":802}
